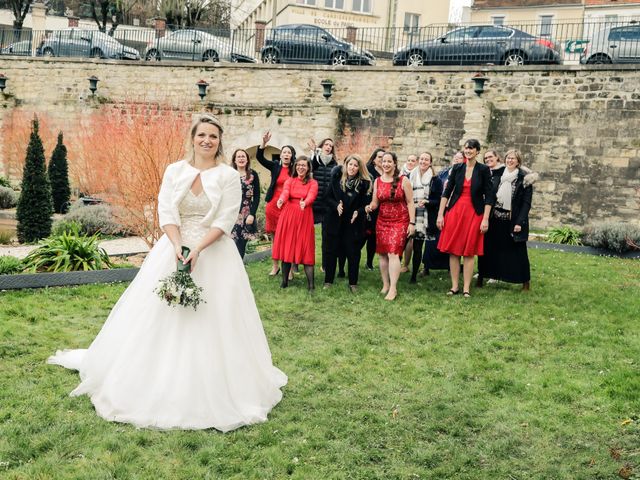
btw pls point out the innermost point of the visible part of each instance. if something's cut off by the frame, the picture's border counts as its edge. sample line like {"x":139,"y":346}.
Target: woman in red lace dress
{"x":393,"y":194}
{"x":295,"y":240}
{"x":468,"y":198}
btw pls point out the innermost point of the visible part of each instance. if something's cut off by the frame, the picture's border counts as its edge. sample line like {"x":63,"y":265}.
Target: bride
{"x":165,"y":367}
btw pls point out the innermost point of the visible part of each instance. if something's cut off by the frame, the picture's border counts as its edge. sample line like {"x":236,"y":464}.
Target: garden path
{"x":116,"y":247}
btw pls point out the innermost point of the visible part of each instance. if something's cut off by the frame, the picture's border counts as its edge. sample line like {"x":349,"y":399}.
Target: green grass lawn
{"x":505,"y":385}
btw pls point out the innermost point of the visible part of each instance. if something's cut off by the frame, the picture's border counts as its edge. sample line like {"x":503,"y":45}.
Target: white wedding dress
{"x":165,"y":367}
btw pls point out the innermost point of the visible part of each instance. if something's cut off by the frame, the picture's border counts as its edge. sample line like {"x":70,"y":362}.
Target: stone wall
{"x":577,"y":126}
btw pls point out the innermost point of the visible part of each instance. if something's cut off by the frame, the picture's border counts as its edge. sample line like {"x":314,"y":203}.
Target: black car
{"x":477,"y":45}
{"x":310,"y":44}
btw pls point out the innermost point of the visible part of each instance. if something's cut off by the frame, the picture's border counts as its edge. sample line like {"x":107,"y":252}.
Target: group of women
{"x":433,"y":220}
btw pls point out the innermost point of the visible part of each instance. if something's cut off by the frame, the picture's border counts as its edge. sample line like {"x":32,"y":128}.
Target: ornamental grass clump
{"x":614,"y":236}
{"x":10,"y":265}
{"x":68,"y":252}
{"x":565,"y":236}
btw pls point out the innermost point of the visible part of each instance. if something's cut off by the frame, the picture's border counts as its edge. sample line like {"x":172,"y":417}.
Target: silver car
{"x":85,"y":43}
{"x":19,"y":48}
{"x":194,"y":45}
{"x":613,"y":44}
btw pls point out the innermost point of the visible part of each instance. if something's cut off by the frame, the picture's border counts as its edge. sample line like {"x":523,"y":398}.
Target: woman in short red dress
{"x":280,"y":172}
{"x":295,"y":240}
{"x":468,"y":198}
{"x":396,"y":221}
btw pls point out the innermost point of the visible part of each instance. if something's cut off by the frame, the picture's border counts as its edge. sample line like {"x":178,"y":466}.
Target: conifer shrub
{"x":34,"y":207}
{"x":59,"y":177}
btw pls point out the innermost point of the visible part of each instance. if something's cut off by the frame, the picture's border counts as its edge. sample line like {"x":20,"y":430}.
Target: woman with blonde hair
{"x":161,"y":366}
{"x":347,"y":196}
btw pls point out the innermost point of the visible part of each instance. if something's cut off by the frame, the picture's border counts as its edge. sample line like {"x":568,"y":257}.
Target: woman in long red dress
{"x":396,"y":221}
{"x":468,"y":198}
{"x":295,"y":240}
{"x":280,"y":172}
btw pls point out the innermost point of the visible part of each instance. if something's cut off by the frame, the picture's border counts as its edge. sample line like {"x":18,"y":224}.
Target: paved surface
{"x":119,"y":246}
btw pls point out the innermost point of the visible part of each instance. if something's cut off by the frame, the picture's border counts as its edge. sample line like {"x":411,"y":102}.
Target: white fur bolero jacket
{"x":221,"y":185}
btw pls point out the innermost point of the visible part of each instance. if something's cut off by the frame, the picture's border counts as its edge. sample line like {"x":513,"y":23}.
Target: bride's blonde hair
{"x":196,"y":120}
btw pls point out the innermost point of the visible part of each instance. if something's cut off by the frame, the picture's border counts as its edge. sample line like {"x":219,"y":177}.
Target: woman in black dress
{"x":347,"y":196}
{"x":245,"y":227}
{"x":508,"y":259}
{"x":492,"y":160}
{"x":374,"y":167}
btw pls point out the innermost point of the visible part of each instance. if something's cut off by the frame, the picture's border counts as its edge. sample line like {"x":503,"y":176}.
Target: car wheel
{"x":515,"y":57}
{"x":599,"y":59}
{"x":339,"y":58}
{"x":270,"y":56}
{"x":96,"y":53}
{"x":48,"y":52}
{"x":210,"y":56}
{"x":415,"y":59}
{"x":152,"y":56}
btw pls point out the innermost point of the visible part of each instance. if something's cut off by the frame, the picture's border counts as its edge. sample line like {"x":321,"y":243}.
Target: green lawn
{"x":505,"y":385}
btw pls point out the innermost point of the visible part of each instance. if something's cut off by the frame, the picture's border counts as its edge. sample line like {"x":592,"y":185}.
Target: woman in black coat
{"x":427,"y":191}
{"x":468,"y":198}
{"x":280,"y":172}
{"x":374,"y":167}
{"x":346,"y":198}
{"x":492,"y":160}
{"x":507,"y":259}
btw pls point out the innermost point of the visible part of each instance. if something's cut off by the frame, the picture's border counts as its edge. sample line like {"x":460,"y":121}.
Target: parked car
{"x":310,"y":44}
{"x":480,"y":44}
{"x":194,"y":45}
{"x":86,"y":43}
{"x":613,"y":44}
{"x":19,"y":48}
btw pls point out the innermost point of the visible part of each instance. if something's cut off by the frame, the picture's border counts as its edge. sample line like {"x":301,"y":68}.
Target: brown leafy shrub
{"x":359,"y":142}
{"x":122,"y":152}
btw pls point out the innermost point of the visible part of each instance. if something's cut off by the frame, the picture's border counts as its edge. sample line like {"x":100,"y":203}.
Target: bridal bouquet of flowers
{"x":179,"y":288}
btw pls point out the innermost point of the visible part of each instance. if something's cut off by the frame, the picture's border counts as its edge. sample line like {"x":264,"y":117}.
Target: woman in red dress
{"x":295,"y":236}
{"x":468,"y":198}
{"x":280,"y":172}
{"x":396,"y":221}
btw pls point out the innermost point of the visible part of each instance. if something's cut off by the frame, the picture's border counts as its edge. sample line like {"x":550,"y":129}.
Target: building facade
{"x":513,"y":12}
{"x":409,"y":14}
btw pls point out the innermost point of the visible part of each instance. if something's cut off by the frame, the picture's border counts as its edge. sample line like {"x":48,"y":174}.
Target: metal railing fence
{"x":527,"y":42}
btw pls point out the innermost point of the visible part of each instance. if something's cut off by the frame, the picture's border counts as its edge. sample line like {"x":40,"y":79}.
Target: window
{"x":498,"y":20}
{"x":411,"y":22}
{"x":337,"y":4}
{"x":624,"y":33}
{"x":461,"y":34}
{"x":610,"y":18}
{"x":494,"y":32}
{"x":306,"y":2}
{"x":546,"y":25}
{"x":363,"y":6}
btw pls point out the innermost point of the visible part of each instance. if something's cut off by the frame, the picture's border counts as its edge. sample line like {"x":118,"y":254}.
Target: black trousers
{"x":241,"y":243}
{"x":340,"y":245}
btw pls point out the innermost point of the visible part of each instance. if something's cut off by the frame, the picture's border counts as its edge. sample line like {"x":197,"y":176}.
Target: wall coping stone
{"x":201,"y":66}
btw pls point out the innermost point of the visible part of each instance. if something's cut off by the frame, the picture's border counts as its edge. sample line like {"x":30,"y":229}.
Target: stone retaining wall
{"x":577,"y":126}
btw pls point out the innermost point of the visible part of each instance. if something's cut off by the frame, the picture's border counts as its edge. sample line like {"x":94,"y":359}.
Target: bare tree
{"x":192,"y":13}
{"x":103,"y":11}
{"x":19,"y":8}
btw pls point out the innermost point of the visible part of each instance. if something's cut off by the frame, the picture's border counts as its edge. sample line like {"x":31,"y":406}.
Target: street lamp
{"x":202,"y":89}
{"x":327,"y":86}
{"x":93,"y":84}
{"x":478,"y":83}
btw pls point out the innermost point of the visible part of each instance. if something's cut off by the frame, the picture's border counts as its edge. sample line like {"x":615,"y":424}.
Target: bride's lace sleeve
{"x":229,"y":206}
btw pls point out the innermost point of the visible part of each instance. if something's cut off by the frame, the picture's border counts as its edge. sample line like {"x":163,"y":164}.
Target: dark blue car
{"x":303,"y":43}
